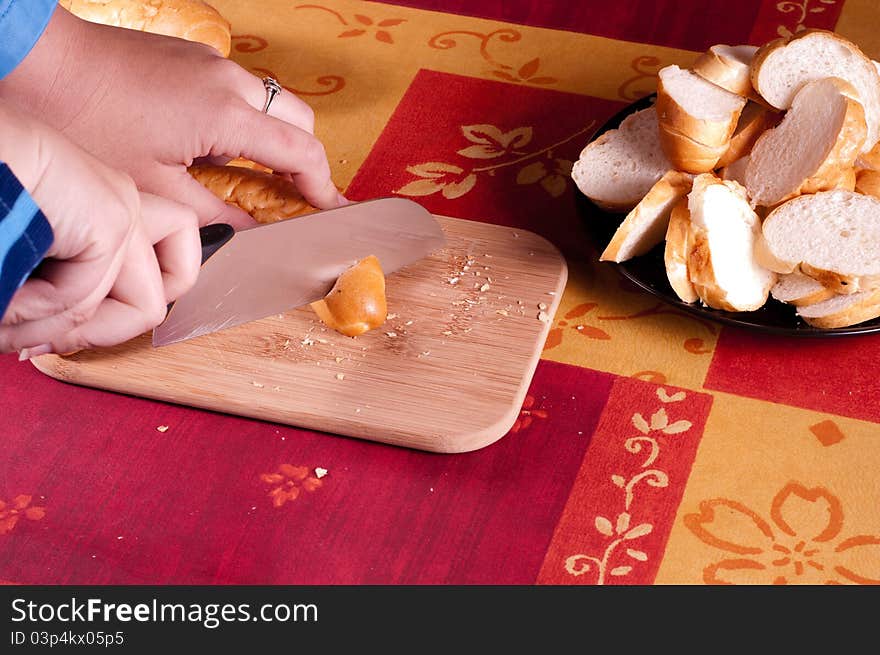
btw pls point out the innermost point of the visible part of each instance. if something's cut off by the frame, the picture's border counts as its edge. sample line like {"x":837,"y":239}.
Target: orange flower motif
{"x":800,"y":546}
{"x":288,"y":481}
{"x":381,"y":35}
{"x":20,"y":506}
{"x":527,"y":414}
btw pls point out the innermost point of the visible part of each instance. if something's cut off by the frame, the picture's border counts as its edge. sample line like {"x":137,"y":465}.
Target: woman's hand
{"x":149,"y":105}
{"x":118,"y":256}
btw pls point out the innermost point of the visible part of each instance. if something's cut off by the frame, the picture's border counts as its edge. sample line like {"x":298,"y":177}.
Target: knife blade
{"x":272,"y":268}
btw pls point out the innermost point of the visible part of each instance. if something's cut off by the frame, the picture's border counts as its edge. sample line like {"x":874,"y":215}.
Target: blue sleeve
{"x":25,"y":235}
{"x":22,"y":23}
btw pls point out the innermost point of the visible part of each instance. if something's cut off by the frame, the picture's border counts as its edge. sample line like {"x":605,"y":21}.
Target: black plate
{"x":649,"y":271}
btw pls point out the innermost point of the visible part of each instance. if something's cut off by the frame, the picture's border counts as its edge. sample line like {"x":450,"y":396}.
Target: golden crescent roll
{"x":192,"y":20}
{"x":267,"y":198}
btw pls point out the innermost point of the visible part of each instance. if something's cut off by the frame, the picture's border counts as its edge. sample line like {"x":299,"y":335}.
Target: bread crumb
{"x":408,"y":323}
{"x":484,"y":288}
{"x":308,"y":342}
{"x":551,"y":293}
{"x":391,"y":334}
{"x":448,"y":333}
{"x":162,"y":428}
{"x":257,"y":385}
{"x":579,"y":327}
{"x":391,"y":317}
{"x":544,"y":317}
{"x":453,"y":280}
{"x":503,"y":312}
{"x":339,"y":360}
{"x":276,"y":388}
{"x":542,"y":306}
{"x":286,"y":344}
{"x":321,"y":340}
{"x":320,"y":473}
{"x":357,"y":411}
{"x":515,"y":235}
{"x":340,"y":376}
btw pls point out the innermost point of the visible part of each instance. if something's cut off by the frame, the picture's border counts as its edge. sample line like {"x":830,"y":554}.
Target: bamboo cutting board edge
{"x":487,"y":427}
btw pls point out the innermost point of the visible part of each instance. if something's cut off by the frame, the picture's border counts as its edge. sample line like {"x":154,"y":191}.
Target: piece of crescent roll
{"x":356,"y":303}
{"x":192,"y":20}
{"x":267,"y":198}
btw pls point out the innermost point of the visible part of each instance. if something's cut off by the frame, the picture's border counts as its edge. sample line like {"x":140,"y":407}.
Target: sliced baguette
{"x":728,"y":67}
{"x":675,"y":254}
{"x":689,"y":105}
{"x":799,"y":289}
{"x":868,"y":182}
{"x":616,"y":170}
{"x":644,"y":227}
{"x":754,"y":120}
{"x":813,"y":148}
{"x":832,"y":236}
{"x":842,"y":311}
{"x":782,"y":67}
{"x":721,"y":261}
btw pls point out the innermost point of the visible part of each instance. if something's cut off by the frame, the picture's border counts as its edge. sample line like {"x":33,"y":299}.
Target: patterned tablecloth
{"x":653,"y":447}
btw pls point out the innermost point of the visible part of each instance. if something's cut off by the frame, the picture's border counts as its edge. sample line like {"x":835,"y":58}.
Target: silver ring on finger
{"x":272,"y":89}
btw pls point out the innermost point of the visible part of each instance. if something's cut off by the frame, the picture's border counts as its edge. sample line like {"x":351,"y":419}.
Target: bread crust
{"x":267,"y":198}
{"x":192,"y":20}
{"x":713,"y":134}
{"x":868,"y":182}
{"x":726,"y":72}
{"x":675,"y":254}
{"x":859,"y":312}
{"x":356,"y":304}
{"x":688,"y":155}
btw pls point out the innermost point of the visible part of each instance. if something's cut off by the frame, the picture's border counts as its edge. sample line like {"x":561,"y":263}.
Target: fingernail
{"x":36,"y":351}
{"x":342,"y":200}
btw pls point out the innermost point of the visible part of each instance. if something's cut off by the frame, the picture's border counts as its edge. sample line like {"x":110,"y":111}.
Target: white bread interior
{"x":814,"y":146}
{"x":645,"y":226}
{"x":675,"y":253}
{"x":832,"y":236}
{"x":616,"y":170}
{"x":721,"y":261}
{"x":780,"y":68}
{"x":799,"y":289}
{"x":728,"y":67}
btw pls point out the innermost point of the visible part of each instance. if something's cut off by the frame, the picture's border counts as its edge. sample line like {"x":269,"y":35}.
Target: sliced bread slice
{"x":675,"y":254}
{"x":842,"y":311}
{"x":616,"y":170}
{"x":754,"y":120}
{"x":799,"y":289}
{"x":691,"y":106}
{"x":644,"y":227}
{"x":780,"y":68}
{"x":721,"y":260}
{"x":812,"y":149}
{"x":832,"y":236}
{"x":728,"y":67}
{"x":688,"y":155}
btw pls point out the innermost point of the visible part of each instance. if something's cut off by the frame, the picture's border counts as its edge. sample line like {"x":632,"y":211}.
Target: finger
{"x":288,"y":149}
{"x":285,"y":106}
{"x":178,"y":185}
{"x":136,"y":304}
{"x":173,"y":230}
{"x":69,"y":289}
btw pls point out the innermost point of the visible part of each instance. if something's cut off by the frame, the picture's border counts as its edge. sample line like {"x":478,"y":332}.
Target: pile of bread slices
{"x":760,"y":168}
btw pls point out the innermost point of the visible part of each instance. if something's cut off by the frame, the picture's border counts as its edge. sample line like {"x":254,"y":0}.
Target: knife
{"x":272,"y":268}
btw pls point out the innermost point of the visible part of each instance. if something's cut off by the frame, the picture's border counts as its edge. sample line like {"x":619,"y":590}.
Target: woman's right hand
{"x":118,"y":257}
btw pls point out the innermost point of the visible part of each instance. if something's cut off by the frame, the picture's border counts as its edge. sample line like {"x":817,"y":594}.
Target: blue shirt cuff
{"x":22,"y":23}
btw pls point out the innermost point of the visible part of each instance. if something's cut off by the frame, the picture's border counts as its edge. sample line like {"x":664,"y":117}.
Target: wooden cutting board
{"x":448,"y":372}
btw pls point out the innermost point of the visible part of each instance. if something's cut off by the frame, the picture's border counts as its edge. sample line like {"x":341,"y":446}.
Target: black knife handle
{"x":213,"y":237}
